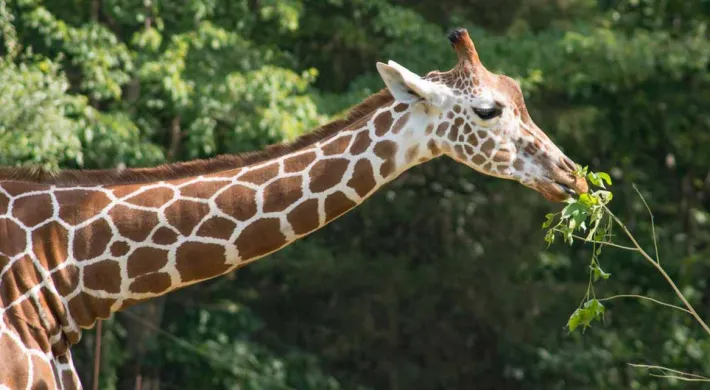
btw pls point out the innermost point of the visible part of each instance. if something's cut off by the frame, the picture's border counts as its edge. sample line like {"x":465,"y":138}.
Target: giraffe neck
{"x":99,"y":249}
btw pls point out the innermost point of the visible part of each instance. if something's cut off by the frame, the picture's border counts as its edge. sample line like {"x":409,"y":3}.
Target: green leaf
{"x":549,"y":218}
{"x":590,"y":311}
{"x":597,"y":272}
{"x":604,"y":176}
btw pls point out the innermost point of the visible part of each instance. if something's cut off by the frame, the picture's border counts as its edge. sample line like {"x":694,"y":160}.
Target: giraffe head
{"x":479,"y":118}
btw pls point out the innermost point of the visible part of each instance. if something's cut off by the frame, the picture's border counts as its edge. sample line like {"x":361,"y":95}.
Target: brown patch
{"x":153,"y":283}
{"x":4,"y":203}
{"x":441,"y":129}
{"x":400,"y":107}
{"x":469,"y":149}
{"x":104,"y":275}
{"x":487,"y":167}
{"x":454,"y":133}
{"x":280,"y":194}
{"x":459,"y":152}
{"x":337,"y":146}
{"x":363,"y":179}
{"x":33,"y":210}
{"x":76,"y":206}
{"x":412,"y":153}
{"x":473,"y":140}
{"x":259,"y":238}
{"x":66,"y":279}
{"x":304,"y":217}
{"x":450,"y":115}
{"x":327,"y":173}
{"x":487,"y":147}
{"x":133,"y":224}
{"x":68,"y":380}
{"x":336,"y":204}
{"x":14,"y":364}
{"x":401,"y":122}
{"x":386,"y":150}
{"x":197,"y":261}
{"x":467,"y":129}
{"x":518,"y":164}
{"x":217,"y":227}
{"x":299,"y":163}
{"x":146,"y":260}
{"x":86,"y":308}
{"x":429,"y":129}
{"x":203,"y":189}
{"x":154,"y":197}
{"x":164,"y":236}
{"x":91,"y":240}
{"x":382,"y":123}
{"x":119,"y":248}
{"x":185,"y":215}
{"x":260,"y":175}
{"x":362,"y":142}
{"x":482,"y":134}
{"x":433,"y":147}
{"x":50,"y":243}
{"x":42,"y":376}
{"x":531,"y":148}
{"x":457,"y":108}
{"x":238,"y":201}
{"x":478,"y":159}
{"x":20,"y":278}
{"x":502,"y":155}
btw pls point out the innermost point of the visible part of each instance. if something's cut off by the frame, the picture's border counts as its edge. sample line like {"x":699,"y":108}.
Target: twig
{"x":685,"y":376}
{"x":646,"y":298}
{"x":653,"y":225}
{"x":661,"y":270}
{"x":607,"y":243}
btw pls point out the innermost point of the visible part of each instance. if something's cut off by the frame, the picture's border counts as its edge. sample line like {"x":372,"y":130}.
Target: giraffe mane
{"x":43,"y":175}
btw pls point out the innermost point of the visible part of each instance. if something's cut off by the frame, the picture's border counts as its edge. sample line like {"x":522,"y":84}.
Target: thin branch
{"x":607,"y":243}
{"x":646,"y":298}
{"x":681,"y":375}
{"x":653,"y":225}
{"x":661,"y":270}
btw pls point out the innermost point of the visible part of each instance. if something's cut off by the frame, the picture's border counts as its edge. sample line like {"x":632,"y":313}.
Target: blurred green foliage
{"x":442,"y":280}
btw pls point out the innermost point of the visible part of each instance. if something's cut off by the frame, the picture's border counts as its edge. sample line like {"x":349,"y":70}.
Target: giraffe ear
{"x":407,"y":87}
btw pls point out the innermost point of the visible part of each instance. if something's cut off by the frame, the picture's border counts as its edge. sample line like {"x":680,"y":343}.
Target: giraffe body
{"x":79,"y":246}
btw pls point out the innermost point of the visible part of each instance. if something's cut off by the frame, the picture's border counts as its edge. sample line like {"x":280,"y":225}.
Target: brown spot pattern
{"x":76,"y":206}
{"x":201,"y":189}
{"x":50,"y":243}
{"x":34,"y":209}
{"x":154,"y":197}
{"x":238,"y":201}
{"x":87,"y":308}
{"x":186,"y":214}
{"x":217,"y":227}
{"x":298,"y":163}
{"x":382,"y":123}
{"x":336,"y":204}
{"x":386,"y":150}
{"x":304,"y":217}
{"x":4,"y":202}
{"x":363,"y":179}
{"x":66,"y":279}
{"x":487,"y":147}
{"x":401,"y":122}
{"x":337,"y":146}
{"x":91,"y":240}
{"x":119,"y":248}
{"x":441,"y":129}
{"x":261,"y":175}
{"x":152,"y":283}
{"x":260,"y":238}
{"x":164,"y":236}
{"x":362,"y":142}
{"x":280,"y":194}
{"x":145,"y":260}
{"x":132,"y":223}
{"x":197,"y":261}
{"x":327,"y":173}
{"x":104,"y":275}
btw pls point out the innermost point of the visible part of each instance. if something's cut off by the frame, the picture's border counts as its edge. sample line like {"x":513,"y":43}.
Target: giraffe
{"x":77,"y":246}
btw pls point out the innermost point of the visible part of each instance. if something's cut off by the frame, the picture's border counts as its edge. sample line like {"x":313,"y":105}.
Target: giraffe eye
{"x":487,"y":112}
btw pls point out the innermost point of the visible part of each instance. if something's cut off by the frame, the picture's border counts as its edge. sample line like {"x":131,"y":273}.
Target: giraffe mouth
{"x":567,"y":189}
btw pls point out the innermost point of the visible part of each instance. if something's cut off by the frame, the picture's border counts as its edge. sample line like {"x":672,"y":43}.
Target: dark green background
{"x":440,"y":281}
